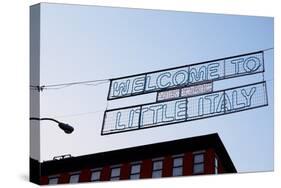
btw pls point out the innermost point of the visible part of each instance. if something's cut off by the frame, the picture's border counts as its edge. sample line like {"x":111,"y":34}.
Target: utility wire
{"x":267,"y":49}
{"x":79,"y":114}
{"x":77,"y":83}
{"x":64,"y":85}
{"x":89,"y":83}
{"x":68,"y":85}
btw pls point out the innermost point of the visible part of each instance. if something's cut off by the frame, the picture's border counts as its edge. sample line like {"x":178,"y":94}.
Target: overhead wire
{"x":267,"y":49}
{"x":64,"y":85}
{"x":89,"y":83}
{"x":79,"y":114}
{"x":77,"y":83}
{"x":68,"y":85}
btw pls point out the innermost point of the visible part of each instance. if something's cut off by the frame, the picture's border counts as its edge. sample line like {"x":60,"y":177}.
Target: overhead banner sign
{"x":185,"y":109}
{"x":209,"y":71}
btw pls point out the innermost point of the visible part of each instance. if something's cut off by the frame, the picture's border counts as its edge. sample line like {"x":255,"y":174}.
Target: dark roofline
{"x":139,"y":153}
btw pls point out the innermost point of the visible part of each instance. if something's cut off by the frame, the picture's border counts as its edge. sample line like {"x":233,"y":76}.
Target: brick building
{"x":191,"y":156}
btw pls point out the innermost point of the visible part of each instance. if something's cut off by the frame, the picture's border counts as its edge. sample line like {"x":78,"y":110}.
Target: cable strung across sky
{"x":174,"y":79}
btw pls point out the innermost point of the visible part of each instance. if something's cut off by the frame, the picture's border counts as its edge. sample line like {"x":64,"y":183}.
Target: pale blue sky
{"x":80,"y":43}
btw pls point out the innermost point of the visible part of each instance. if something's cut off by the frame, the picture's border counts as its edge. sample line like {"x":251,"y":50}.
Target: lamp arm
{"x":42,"y":119}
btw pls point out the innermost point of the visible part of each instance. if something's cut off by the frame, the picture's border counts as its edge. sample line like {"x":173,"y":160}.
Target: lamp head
{"x":66,"y":128}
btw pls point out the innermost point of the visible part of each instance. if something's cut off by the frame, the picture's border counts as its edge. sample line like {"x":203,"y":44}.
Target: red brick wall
{"x":64,"y":178}
{"x":125,"y":171}
{"x":44,"y":180}
{"x":209,"y":163}
{"x":105,"y":174}
{"x":187,"y":164}
{"x":146,"y":169}
{"x":167,"y":166}
{"x":221,"y":170}
{"x":85,"y":175}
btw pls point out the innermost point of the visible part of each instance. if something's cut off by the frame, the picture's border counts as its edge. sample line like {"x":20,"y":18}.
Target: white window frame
{"x":198,"y":163}
{"x":179,"y":156}
{"x":53,"y":177}
{"x":139,"y":163}
{"x":115,"y":177}
{"x":96,"y":170}
{"x":161,"y":159}
{"x":75,"y":174}
{"x":216,"y":164}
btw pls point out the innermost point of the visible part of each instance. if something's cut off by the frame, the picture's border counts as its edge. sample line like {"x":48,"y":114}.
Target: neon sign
{"x":185,"y":109}
{"x":209,"y":71}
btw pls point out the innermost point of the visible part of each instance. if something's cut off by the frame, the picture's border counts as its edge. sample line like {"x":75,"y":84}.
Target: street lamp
{"x":65,"y":127}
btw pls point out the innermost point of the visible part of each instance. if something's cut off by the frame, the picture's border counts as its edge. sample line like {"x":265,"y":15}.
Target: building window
{"x":96,"y":174}
{"x":74,"y":178}
{"x":157,"y":168}
{"x":135,"y":171}
{"x":216,"y":165}
{"x":177,"y":166}
{"x":198,"y":163}
{"x":53,"y":180}
{"x":115,"y":173}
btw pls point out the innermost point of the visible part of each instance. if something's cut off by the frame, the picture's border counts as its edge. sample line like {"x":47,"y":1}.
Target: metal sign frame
{"x":185,"y":119}
{"x":224,"y":76}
